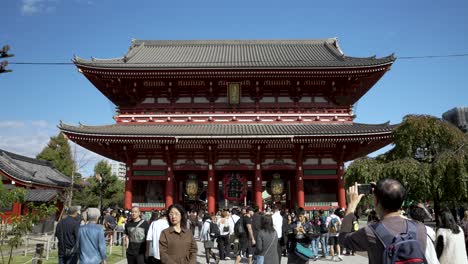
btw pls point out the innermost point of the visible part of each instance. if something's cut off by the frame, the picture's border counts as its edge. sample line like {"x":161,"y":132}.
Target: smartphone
{"x":365,"y":188}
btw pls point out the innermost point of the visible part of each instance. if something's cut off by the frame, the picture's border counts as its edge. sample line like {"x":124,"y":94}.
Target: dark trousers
{"x":136,"y":259}
{"x":279,"y":250}
{"x":209,"y":253}
{"x":73,"y":259}
{"x":153,"y":260}
{"x":223,"y":246}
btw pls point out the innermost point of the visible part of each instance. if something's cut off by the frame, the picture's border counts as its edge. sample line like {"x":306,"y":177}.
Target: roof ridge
{"x":27,"y":159}
{"x":16,"y":167}
{"x":232,"y":42}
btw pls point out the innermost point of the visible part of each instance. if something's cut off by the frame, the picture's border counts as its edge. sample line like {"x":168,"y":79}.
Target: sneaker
{"x":340,"y":258}
{"x":227,"y":258}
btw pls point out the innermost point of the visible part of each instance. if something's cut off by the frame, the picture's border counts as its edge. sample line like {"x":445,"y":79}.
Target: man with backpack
{"x":394,"y":238}
{"x":209,"y":233}
{"x":135,"y":238}
{"x":323,"y":233}
{"x":244,"y":231}
{"x":334,"y":226}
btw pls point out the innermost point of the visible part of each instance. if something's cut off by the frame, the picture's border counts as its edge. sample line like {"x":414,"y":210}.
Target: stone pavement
{"x":360,"y":258}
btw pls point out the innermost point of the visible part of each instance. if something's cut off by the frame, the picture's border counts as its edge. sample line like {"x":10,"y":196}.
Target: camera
{"x":366,"y":188}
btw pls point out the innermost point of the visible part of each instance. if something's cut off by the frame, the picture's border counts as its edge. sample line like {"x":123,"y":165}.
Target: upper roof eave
{"x":234,"y":54}
{"x":234,"y":131}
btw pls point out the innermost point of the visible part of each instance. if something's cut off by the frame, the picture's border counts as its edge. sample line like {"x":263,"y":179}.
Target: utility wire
{"x":398,"y":58}
{"x":433,"y":56}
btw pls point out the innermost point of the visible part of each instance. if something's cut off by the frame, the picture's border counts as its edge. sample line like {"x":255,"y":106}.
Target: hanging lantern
{"x":191,"y":187}
{"x":234,"y":186}
{"x":276,"y":187}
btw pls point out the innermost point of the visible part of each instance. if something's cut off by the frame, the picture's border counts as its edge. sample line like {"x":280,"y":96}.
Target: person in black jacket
{"x":66,"y":233}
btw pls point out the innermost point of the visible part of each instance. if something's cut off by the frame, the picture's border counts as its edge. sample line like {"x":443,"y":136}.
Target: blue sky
{"x":36,"y":97}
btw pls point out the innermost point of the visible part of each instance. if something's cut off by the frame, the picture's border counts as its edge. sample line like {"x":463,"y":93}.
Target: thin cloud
{"x":40,"y":123}
{"x":29,"y":138}
{"x":9,"y":124}
{"x":32,"y":7}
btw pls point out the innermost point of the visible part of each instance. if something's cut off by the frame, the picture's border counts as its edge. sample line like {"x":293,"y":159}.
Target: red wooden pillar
{"x":341,"y":190}
{"x":169,"y":187}
{"x":128,"y":188}
{"x":300,"y":187}
{"x":211,"y":193}
{"x":292,"y":193}
{"x":16,"y":210}
{"x":176,"y":191}
{"x":258,"y":188}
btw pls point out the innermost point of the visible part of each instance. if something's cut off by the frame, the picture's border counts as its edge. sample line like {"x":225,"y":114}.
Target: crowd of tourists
{"x":265,"y":237}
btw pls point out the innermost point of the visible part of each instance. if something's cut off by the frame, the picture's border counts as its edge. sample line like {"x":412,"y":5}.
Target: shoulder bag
{"x":260,"y":259}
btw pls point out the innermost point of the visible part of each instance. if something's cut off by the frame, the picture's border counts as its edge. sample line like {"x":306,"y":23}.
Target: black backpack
{"x":214,"y":230}
{"x":400,"y":248}
{"x":239,"y":229}
{"x":323,"y":225}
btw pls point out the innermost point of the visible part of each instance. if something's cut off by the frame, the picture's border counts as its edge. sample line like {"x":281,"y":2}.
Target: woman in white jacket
{"x":205,"y":237}
{"x":450,"y":244}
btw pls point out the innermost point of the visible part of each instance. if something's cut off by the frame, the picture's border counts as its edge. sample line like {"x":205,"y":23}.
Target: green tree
{"x":430,"y":158}
{"x":58,"y":152}
{"x":22,"y":224}
{"x":112,"y":188}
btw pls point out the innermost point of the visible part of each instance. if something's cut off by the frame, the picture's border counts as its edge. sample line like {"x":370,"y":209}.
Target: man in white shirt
{"x":233,"y":220}
{"x":334,"y":225}
{"x":278,"y":226}
{"x":152,"y":239}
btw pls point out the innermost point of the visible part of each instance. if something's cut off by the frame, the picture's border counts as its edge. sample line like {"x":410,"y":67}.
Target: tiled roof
{"x":31,"y":170}
{"x":41,"y":195}
{"x":221,"y":54}
{"x":229,"y":130}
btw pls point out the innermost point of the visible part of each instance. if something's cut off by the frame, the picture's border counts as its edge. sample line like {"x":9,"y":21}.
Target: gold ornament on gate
{"x":191,"y":187}
{"x":277,"y":187}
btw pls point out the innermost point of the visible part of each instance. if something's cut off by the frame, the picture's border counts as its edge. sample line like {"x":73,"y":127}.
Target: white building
{"x":118,"y":169}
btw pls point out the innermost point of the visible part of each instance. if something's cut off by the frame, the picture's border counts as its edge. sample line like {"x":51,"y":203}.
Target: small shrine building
{"x":43,"y":183}
{"x":222,"y":121}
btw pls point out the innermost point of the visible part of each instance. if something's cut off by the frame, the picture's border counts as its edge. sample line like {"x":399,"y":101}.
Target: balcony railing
{"x":149,"y":204}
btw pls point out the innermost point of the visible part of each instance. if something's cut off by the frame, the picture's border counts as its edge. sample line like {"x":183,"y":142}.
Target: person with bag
{"x":246,"y":238}
{"x":334,"y":226}
{"x":110,"y":224}
{"x":223,"y":239}
{"x":314,"y":234}
{"x":323,"y":233}
{"x":450,"y":243}
{"x":267,"y":242}
{"x":394,"y":237}
{"x":207,"y":239}
{"x":135,"y":238}
{"x":301,"y":252}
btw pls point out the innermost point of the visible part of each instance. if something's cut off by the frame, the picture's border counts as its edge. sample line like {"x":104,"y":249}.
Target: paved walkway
{"x":357,"y":259}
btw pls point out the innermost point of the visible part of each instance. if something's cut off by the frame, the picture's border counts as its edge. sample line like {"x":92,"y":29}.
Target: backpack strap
{"x":382,"y":233}
{"x":412,"y":229}
{"x":139,"y":223}
{"x":386,"y":238}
